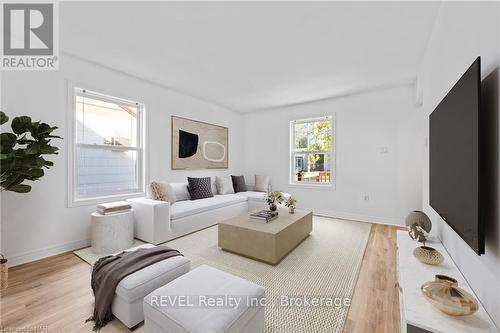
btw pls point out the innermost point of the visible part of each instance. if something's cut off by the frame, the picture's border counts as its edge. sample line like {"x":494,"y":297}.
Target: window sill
{"x":102,"y":199}
{"x":329,"y":187}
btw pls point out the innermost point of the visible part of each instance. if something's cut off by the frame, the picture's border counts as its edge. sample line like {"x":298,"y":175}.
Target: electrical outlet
{"x":384,"y":150}
{"x":366,"y":197}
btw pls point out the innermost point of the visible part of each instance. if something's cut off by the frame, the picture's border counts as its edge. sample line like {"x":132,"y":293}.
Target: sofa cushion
{"x":181,"y":191}
{"x":200,"y":284}
{"x":162,"y":191}
{"x":261,"y":183}
{"x":200,"y":188}
{"x":139,"y":284}
{"x":187,"y":208}
{"x":239,"y":184}
{"x":224,"y":185}
{"x":259,"y":196}
{"x":253,"y":195}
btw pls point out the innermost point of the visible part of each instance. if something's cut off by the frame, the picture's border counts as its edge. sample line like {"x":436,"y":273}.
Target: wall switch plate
{"x":366,"y":197}
{"x":384,"y":150}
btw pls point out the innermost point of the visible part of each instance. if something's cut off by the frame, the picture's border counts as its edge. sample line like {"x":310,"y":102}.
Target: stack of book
{"x":264,"y":216}
{"x":113,"y":207}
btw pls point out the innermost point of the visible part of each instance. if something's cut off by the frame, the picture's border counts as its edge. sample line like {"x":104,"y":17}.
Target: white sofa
{"x":157,"y":221}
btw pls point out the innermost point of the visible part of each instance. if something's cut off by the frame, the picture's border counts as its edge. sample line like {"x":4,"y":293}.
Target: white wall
{"x":39,"y":224}
{"x":463,"y":31}
{"x":364,"y":123}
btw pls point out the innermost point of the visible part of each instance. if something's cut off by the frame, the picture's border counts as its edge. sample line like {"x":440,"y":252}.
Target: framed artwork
{"x":198,"y":145}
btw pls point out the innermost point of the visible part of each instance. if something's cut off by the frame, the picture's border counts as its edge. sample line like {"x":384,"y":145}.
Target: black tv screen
{"x":455,"y":158}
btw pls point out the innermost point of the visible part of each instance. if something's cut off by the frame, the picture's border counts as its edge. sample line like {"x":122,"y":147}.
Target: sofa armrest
{"x":152,"y":220}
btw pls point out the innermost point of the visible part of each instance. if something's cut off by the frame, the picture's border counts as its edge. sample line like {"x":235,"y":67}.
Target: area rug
{"x":87,"y":255}
{"x":324,"y":267}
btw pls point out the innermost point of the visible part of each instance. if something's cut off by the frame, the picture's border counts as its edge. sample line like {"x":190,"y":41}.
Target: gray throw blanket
{"x":110,"y":270}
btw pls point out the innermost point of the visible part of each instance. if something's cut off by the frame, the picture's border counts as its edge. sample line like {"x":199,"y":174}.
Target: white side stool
{"x":113,"y":232}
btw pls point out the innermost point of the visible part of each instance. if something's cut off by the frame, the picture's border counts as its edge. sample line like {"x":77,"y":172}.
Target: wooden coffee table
{"x":269,"y":242}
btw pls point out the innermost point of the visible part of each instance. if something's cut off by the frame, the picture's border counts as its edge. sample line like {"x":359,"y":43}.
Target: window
{"x":108,"y":153}
{"x":312,"y":153}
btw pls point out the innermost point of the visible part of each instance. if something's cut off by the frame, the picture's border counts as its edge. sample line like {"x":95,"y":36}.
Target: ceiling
{"x":249,"y":56}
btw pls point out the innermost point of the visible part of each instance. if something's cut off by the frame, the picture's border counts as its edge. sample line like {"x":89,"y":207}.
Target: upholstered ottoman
{"x":205,"y":300}
{"x":130,"y":292}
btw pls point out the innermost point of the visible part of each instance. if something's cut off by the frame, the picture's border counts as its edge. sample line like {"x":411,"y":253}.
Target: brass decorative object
{"x":417,"y":233}
{"x":428,"y":255}
{"x":419,"y":218}
{"x":444,"y":294}
{"x":4,"y":273}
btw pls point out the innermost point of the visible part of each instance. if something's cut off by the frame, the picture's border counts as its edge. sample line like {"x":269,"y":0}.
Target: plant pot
{"x":273,"y":207}
{"x":445,"y":295}
{"x":428,"y":255}
{"x":291,"y":210}
{"x":4,"y":273}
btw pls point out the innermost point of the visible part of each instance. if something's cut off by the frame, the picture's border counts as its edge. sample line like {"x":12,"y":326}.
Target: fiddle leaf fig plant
{"x":21,"y":152}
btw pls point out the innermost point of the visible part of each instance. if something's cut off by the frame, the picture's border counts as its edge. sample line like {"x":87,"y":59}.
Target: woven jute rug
{"x":309,"y":290}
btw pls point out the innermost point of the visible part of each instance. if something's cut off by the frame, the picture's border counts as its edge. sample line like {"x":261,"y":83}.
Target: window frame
{"x":74,"y":199}
{"x":292,"y":152}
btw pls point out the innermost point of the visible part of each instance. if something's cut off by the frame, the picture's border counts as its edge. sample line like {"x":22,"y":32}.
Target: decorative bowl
{"x":444,"y":294}
{"x":419,"y":218}
{"x":428,"y":255}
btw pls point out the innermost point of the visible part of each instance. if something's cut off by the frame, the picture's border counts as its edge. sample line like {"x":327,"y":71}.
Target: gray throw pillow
{"x":200,"y":188}
{"x":239,"y":184}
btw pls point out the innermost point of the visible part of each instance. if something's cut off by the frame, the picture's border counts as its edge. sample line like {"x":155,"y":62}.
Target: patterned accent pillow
{"x":261,"y":183}
{"x":200,"y":188}
{"x":239,"y":184}
{"x":162,"y":191}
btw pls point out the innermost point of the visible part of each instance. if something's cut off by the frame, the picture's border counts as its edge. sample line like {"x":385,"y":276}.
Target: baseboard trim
{"x":360,"y":217}
{"x":29,"y":256}
{"x":26,"y":257}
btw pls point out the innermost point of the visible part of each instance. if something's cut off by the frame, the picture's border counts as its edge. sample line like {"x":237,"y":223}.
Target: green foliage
{"x":291,"y":201}
{"x":316,"y":136}
{"x":21,"y":152}
{"x":274,"y":197}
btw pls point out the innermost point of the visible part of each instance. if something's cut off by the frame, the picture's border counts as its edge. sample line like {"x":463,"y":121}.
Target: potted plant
{"x":273,"y":198}
{"x":21,"y":152}
{"x":290,"y":203}
{"x":299,"y":175}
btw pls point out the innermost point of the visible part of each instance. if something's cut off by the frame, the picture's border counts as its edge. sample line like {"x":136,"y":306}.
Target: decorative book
{"x":264,"y":215}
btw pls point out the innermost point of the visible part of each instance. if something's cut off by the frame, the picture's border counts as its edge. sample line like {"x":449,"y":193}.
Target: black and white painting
{"x":198,"y":145}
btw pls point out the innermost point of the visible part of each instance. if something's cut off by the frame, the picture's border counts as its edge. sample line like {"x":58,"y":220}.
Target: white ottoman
{"x":112,"y":232}
{"x":130,"y":292}
{"x":192,"y":312}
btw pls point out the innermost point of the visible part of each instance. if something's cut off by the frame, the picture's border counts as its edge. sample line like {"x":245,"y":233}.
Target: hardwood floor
{"x":54,"y":294}
{"x":375,"y":304}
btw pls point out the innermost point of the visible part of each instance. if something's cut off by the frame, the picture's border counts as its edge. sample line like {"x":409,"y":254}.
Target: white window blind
{"x":108,"y":145}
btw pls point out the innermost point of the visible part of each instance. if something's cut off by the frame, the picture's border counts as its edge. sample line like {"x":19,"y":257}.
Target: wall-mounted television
{"x":455,"y":158}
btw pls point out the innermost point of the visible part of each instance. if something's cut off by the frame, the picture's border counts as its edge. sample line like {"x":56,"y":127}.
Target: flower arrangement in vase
{"x":290,"y":203}
{"x":273,"y":198}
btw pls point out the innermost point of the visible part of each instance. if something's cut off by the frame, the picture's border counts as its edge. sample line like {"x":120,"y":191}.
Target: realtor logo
{"x":29,"y":36}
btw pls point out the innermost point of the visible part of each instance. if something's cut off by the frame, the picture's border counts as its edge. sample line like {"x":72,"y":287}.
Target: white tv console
{"x":418,"y":315}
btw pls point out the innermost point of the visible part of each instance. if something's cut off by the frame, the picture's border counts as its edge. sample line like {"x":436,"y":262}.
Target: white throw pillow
{"x":224,"y":185}
{"x":162,"y":191}
{"x":261,"y":183}
{"x":181,"y":191}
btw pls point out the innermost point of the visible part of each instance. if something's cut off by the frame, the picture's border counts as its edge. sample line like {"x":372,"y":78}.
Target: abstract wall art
{"x":198,"y":145}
